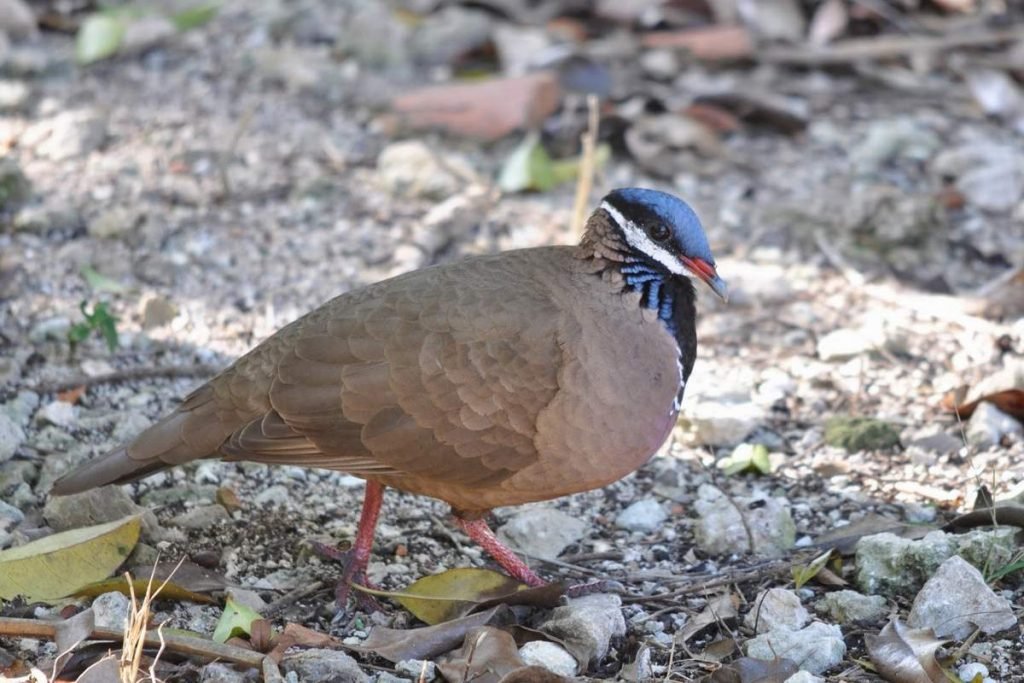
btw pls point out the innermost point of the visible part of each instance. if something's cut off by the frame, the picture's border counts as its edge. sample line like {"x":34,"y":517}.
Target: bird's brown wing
{"x":438,"y":374}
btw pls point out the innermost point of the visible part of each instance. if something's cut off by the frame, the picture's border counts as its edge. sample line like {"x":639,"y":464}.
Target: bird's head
{"x":664,"y":232}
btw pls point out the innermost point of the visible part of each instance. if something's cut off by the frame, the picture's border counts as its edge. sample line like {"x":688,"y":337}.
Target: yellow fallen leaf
{"x":450,"y":594}
{"x":58,"y":565}
{"x":170,"y":591}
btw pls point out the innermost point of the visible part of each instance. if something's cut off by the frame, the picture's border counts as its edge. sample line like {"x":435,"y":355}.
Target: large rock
{"x":324,"y":665}
{"x":720,"y":530}
{"x":542,"y":532}
{"x":845,"y":606}
{"x":776,"y":608}
{"x":11,"y":437}
{"x":586,"y":625}
{"x":551,"y":656}
{"x":892,"y":566}
{"x":722,"y":422}
{"x":815,"y":648}
{"x":98,"y":506}
{"x":956,"y":599}
{"x":988,"y":426}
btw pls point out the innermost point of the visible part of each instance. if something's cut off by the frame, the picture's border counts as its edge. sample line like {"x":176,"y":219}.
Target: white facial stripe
{"x":639,"y":240}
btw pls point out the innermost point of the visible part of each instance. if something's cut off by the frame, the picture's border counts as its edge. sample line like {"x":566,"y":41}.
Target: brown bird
{"x":497,"y":380}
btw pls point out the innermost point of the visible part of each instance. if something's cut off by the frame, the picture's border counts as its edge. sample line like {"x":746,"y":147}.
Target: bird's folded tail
{"x":192,"y":432}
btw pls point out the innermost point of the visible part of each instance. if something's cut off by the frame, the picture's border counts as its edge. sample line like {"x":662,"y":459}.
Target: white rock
{"x":111,"y":610}
{"x":989,"y":425}
{"x":274,"y":496}
{"x":57,"y":413}
{"x":804,"y":677}
{"x":589,"y":623}
{"x":956,"y":599}
{"x":17,"y":19}
{"x":216,"y":672}
{"x":845,"y":343}
{"x":845,"y":606}
{"x":542,"y":532}
{"x":412,"y":169}
{"x":722,"y":423}
{"x":11,"y":437}
{"x":968,"y":672}
{"x":645,"y":515}
{"x":776,"y":608}
{"x":549,"y":655}
{"x":720,"y":529}
{"x":815,"y":648}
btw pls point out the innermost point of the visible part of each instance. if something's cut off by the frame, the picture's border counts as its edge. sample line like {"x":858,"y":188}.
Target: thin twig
{"x":290,"y":598}
{"x":131,"y":374}
{"x":585,"y":180}
{"x":204,"y":649}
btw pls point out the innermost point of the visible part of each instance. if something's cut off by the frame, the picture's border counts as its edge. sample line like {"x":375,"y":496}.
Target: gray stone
{"x":247,"y":598}
{"x":417,"y":669}
{"x":329,"y":666}
{"x":845,"y":606}
{"x":720,"y":529}
{"x":816,"y":648}
{"x":936,"y":439}
{"x":50,"y":329}
{"x":273,"y":496}
{"x":10,"y":516}
{"x":114,"y":222}
{"x":551,"y":656}
{"x":986,"y":548}
{"x":988,"y":426}
{"x":446,"y":34}
{"x":200,"y":517}
{"x":11,"y":437}
{"x":587,"y":624}
{"x":14,"y":95}
{"x":387,"y":677}
{"x":645,"y":515}
{"x":21,"y":407}
{"x":57,"y":413}
{"x":776,"y":608}
{"x":990,"y":174}
{"x":891,"y":566}
{"x":956,"y":599}
{"x":128,"y":426}
{"x":144,"y":33}
{"x":17,"y":19}
{"x":218,"y":672}
{"x":412,"y":169}
{"x":722,"y":422}
{"x":542,"y":532}
{"x":374,"y":36}
{"x":110,"y":610}
{"x":97,"y":506}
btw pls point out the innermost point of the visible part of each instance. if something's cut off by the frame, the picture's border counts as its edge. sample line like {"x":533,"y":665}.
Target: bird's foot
{"x":478,"y":530}
{"x":353,"y":571}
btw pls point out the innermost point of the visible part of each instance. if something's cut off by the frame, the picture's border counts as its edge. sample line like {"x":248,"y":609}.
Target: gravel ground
{"x":223,"y":194}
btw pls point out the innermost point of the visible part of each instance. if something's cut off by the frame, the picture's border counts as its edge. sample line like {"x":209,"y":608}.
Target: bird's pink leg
{"x":355,"y":559}
{"x":478,"y":530}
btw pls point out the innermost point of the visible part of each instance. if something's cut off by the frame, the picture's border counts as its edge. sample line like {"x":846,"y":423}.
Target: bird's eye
{"x":659,"y":232}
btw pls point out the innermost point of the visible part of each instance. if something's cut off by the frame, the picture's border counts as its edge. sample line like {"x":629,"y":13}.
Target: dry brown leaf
{"x":905,"y":654}
{"x":843,"y":539}
{"x":70,"y":633}
{"x":72,"y":395}
{"x":430,"y":641}
{"x":710,"y":43}
{"x":718,"y":609}
{"x":490,"y":655}
{"x":295,"y":634}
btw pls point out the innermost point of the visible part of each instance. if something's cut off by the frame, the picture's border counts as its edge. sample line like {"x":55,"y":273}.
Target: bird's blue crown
{"x":641,"y":205}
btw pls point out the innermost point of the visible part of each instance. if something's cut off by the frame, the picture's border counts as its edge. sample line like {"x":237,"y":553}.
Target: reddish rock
{"x":711,"y":42}
{"x":486,"y":110}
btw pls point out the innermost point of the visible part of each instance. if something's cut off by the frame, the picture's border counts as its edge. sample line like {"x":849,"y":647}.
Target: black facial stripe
{"x":643,"y":216}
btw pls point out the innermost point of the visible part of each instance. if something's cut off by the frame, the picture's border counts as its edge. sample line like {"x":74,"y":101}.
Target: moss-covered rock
{"x":14,"y":186}
{"x":860,"y":433}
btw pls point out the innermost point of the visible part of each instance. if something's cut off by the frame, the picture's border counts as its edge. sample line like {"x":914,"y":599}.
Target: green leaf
{"x":564,"y":170}
{"x":236,"y":620}
{"x":527,"y":168}
{"x":194,"y":17}
{"x":98,"y":37}
{"x":99,"y":282}
{"x":100,"y":320}
{"x":60,"y":564}
{"x":802,"y":575}
{"x":747,"y":458}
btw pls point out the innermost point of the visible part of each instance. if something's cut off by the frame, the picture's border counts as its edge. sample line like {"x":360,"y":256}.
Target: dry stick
{"x":196,"y":370}
{"x":290,"y":598}
{"x":884,"y":47}
{"x":767,"y":569}
{"x":585,"y":181}
{"x":196,"y":647}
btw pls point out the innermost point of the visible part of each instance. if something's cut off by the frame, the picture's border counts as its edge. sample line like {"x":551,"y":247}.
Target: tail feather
{"x":192,"y":432}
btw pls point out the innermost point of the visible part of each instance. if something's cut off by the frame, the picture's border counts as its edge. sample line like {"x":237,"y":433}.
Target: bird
{"x":497,"y":380}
